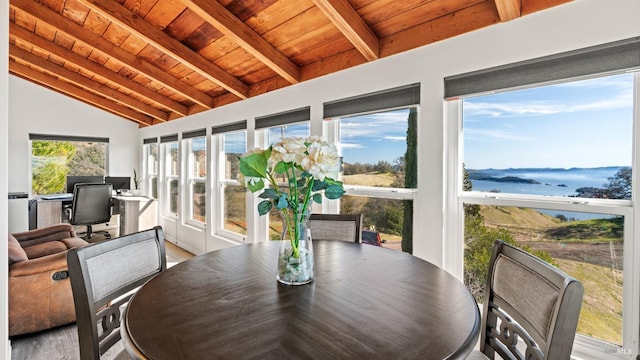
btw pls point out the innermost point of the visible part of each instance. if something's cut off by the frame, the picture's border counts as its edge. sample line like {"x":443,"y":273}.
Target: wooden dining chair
{"x":343,"y":227}
{"x":531,"y":308}
{"x":104,"y":276}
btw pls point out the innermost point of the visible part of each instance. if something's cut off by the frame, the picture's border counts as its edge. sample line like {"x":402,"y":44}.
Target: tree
{"x":383,"y":167}
{"x":88,"y":160}
{"x":50,"y":165}
{"x":478,"y":243}
{"x":410,"y":179}
{"x":619,"y":186}
{"x":469,"y":209}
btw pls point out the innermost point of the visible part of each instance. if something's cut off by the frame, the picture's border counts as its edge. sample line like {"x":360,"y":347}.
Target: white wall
{"x":35,"y":109}
{"x":574,"y":25}
{"x":5,"y":350}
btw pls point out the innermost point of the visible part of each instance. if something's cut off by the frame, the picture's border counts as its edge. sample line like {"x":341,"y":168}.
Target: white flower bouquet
{"x":310,"y":167}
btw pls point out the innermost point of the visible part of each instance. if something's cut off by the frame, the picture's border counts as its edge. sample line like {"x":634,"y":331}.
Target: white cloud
{"x":491,"y":135}
{"x":509,"y":109}
{"x":605,"y":93}
{"x":352,"y":145}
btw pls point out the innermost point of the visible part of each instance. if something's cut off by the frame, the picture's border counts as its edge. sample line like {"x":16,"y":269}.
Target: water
{"x":552,"y":182}
{"x":556,"y":182}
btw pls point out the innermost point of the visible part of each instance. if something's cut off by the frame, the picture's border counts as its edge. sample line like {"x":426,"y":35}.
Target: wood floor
{"x":62,"y":343}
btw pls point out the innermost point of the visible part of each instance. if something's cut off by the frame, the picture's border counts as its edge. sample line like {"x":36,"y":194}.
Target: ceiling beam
{"x":110,"y":50}
{"x":508,"y":9}
{"x":138,"y":26}
{"x":224,"y":21}
{"x":85,"y":83}
{"x":349,"y":22}
{"x":82,"y":95}
{"x":67,"y":55}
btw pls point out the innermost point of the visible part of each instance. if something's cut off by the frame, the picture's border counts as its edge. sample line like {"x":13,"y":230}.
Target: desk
{"x":366,"y":302}
{"x":136,"y":212}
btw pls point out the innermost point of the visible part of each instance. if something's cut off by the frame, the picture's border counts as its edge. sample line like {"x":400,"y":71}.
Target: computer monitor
{"x":119,"y":183}
{"x":78,"y":179}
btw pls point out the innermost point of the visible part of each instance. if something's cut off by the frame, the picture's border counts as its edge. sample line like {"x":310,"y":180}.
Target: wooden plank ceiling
{"x":152,"y":61}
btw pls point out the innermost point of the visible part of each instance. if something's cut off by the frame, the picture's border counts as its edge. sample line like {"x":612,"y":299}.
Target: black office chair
{"x":91,"y":205}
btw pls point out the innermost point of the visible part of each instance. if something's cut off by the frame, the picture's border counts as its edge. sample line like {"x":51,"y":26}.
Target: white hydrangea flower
{"x":323,"y":160}
{"x":288,"y":150}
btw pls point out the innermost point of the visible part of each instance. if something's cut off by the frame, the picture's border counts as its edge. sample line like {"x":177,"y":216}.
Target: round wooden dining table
{"x":366,"y":302}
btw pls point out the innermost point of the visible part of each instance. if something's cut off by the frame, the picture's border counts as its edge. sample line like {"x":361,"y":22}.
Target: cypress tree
{"x":410,"y":180}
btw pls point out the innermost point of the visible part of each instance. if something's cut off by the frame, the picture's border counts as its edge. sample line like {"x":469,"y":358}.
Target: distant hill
{"x":510,"y":179}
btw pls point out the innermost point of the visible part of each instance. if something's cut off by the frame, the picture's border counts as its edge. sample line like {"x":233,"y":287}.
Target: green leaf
{"x":330,"y":181}
{"x":269,"y":193}
{"x":281,"y":167}
{"x":254,"y":186}
{"x":319,"y":185}
{"x":317,"y":198}
{"x":334,"y":192}
{"x":282,"y":202}
{"x":254,"y":165}
{"x":264,"y":207}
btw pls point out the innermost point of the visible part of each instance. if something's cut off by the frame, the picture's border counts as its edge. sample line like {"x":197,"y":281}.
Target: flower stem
{"x":293,"y":205}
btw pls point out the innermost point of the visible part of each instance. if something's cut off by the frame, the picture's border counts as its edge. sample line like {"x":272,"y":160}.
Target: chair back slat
{"x":531,"y":308}
{"x":342,"y":227}
{"x":103,"y":277}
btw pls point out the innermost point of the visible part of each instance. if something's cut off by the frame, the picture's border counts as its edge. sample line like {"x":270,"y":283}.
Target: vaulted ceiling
{"x":152,"y":61}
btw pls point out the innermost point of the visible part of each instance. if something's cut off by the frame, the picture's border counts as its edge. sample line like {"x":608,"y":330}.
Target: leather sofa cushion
{"x":16,"y":252}
{"x":44,"y":249}
{"x":73,"y":242}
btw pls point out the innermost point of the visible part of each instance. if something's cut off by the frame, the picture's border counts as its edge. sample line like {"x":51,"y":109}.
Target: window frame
{"x":167,"y":178}
{"x":191,"y":180}
{"x":454,"y":227}
{"x":221,"y":182}
{"x":66,"y":138}
{"x":264,"y":135}
{"x":150,"y":170}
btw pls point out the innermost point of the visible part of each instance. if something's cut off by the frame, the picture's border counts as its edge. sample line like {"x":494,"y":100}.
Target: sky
{"x":585,"y":123}
{"x":365,"y":138}
{"x":375,"y":137}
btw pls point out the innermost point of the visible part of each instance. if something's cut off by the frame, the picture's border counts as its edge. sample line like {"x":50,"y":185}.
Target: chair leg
{"x":89,"y":233}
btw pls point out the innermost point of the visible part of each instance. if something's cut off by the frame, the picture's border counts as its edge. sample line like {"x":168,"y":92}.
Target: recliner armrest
{"x":47,"y":263}
{"x":49,"y":233}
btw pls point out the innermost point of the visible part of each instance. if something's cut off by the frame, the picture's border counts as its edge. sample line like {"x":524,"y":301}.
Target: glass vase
{"x":295,"y":258}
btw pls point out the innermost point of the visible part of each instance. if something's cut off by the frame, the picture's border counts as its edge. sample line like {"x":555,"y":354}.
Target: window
{"x":549,"y":168}
{"x":232,"y":143}
{"x":171,"y":174}
{"x":274,"y":135}
{"x":379,"y":160}
{"x":196,"y":145}
{"x":150,"y":149}
{"x":54,"y":157}
{"x":548,"y":143}
{"x":293,"y":123}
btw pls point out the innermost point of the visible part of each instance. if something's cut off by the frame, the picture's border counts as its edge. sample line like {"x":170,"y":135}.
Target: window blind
{"x":67,"y":138}
{"x":381,"y":100}
{"x":241,"y":125}
{"x":150,"y":140}
{"x":194,"y":133}
{"x":169,"y":138}
{"x":606,"y":58}
{"x":283,"y":118}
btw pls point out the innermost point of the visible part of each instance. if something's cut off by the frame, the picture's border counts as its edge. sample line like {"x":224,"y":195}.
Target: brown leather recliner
{"x":39,"y":288}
